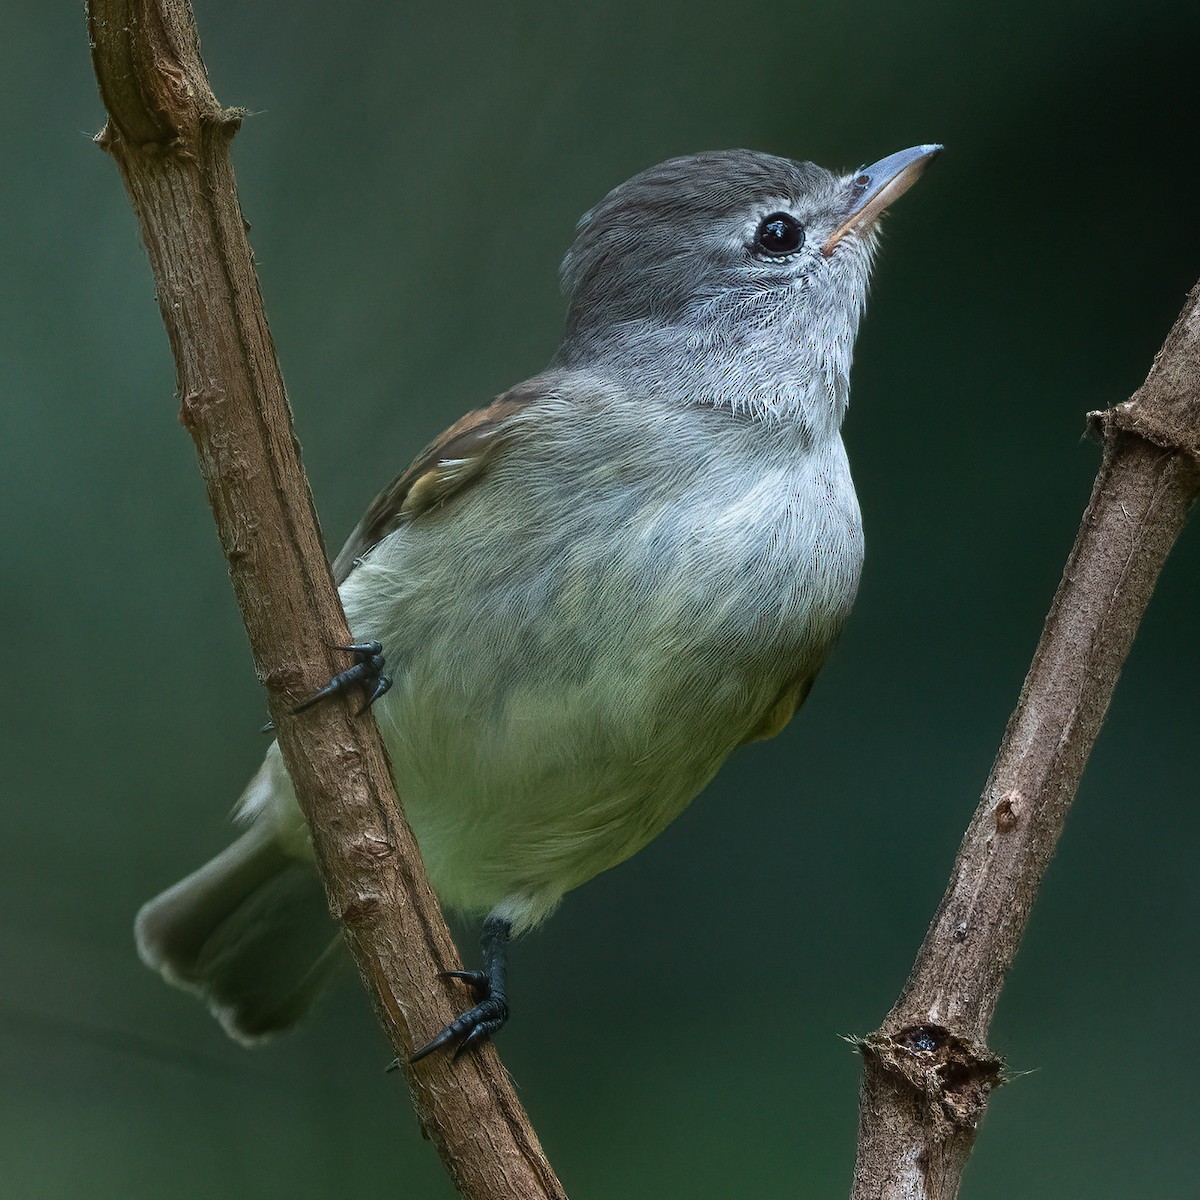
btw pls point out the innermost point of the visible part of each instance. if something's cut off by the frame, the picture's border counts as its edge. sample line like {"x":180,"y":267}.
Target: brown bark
{"x":927,"y":1070}
{"x":170,"y":138}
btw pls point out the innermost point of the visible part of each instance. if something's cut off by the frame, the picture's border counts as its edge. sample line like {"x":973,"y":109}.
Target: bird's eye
{"x":778,"y":235}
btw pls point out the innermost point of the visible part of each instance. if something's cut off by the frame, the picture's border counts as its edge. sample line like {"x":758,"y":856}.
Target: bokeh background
{"x":413,"y":174}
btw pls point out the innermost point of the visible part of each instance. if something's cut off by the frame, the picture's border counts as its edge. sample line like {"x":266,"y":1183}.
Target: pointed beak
{"x":875,"y":187}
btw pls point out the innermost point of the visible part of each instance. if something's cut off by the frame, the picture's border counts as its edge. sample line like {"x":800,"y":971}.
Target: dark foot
{"x":366,"y":673}
{"x":489,"y":987}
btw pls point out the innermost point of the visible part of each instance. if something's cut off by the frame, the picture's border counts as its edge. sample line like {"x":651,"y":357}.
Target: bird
{"x":578,"y":601}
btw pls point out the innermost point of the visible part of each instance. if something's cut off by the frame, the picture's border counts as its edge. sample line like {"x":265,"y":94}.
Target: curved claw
{"x":366,"y":671}
{"x":382,"y":684}
{"x":475,"y":1025}
{"x":480,"y":1033}
{"x":478,"y":1024}
{"x":477,"y":981}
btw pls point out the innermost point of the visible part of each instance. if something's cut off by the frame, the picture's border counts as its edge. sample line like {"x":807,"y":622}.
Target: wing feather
{"x":443,"y":469}
{"x":783,"y":709}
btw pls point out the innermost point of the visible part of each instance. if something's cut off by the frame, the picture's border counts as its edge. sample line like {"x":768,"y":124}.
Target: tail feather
{"x":249,"y":931}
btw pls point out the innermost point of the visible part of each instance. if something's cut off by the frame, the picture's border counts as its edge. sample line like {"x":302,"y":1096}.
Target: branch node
{"x":194,"y":403}
{"x":949,"y":1077}
{"x":371,"y":847}
{"x":360,"y":910}
{"x":287,"y":678}
{"x":1007,"y":815}
{"x":1154,"y":423}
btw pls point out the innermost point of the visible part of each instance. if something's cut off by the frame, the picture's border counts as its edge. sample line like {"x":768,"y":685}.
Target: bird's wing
{"x":783,"y":709}
{"x":443,"y":468}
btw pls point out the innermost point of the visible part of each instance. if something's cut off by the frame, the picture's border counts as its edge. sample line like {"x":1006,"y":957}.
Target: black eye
{"x":778,"y":235}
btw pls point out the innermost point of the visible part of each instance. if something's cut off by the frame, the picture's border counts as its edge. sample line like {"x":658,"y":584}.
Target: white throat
{"x":777,"y":371}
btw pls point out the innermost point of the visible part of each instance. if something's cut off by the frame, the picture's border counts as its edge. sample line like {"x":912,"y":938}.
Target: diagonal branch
{"x":927,"y":1070}
{"x":170,"y":138}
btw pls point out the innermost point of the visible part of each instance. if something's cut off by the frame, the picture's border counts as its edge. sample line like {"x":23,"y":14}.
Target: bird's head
{"x":737,"y":275}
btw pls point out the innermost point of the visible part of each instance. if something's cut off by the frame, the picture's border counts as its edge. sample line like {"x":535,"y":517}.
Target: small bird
{"x":580,"y":599}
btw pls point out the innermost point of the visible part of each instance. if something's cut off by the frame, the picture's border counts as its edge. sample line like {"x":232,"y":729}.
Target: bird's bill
{"x":876,"y":186}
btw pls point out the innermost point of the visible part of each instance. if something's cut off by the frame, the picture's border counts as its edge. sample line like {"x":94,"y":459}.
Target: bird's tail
{"x":249,"y":931}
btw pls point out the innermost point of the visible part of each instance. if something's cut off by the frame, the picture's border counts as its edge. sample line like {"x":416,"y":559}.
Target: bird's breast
{"x":574,"y":661}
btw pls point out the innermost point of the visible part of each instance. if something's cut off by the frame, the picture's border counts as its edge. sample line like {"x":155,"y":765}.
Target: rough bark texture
{"x":170,"y":139}
{"x":927,"y":1070}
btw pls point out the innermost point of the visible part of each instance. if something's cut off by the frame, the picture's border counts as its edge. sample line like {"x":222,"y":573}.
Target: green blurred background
{"x":413,"y":175}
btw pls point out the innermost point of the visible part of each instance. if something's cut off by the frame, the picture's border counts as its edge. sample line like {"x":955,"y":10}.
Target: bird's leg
{"x":490,"y":988}
{"x":367,"y":672}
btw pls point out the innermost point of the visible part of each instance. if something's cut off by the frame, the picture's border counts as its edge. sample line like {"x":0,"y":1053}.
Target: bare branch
{"x":170,"y":139}
{"x":928,"y":1072}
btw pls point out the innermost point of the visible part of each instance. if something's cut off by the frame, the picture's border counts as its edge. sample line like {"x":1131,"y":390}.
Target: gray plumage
{"x":591,"y":592}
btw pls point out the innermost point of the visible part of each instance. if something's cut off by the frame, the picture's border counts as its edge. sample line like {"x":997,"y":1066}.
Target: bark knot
{"x":287,"y":678}
{"x":360,"y":908}
{"x":370,"y":847}
{"x":1008,"y":812}
{"x":195,"y":404}
{"x":1169,"y":427}
{"x":949,"y":1076}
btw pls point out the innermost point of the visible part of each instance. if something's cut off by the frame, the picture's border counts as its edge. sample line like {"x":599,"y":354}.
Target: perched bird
{"x":591,"y":591}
